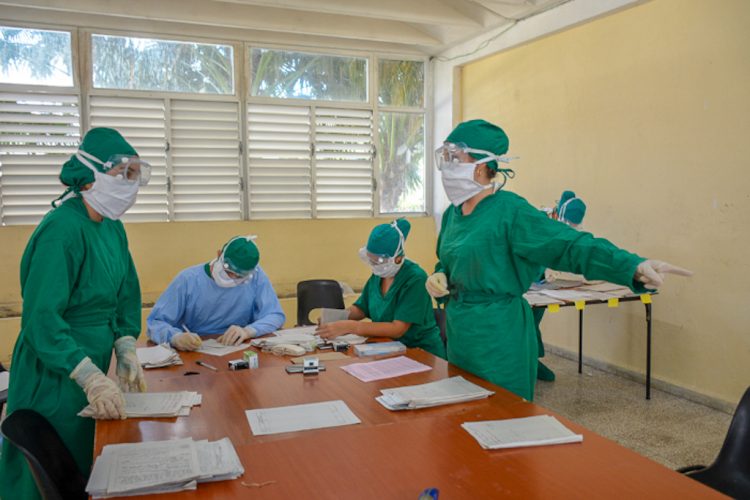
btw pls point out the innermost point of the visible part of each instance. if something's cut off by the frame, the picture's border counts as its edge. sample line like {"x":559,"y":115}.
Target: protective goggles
{"x":454,"y":153}
{"x":128,"y":167}
{"x":375,"y":259}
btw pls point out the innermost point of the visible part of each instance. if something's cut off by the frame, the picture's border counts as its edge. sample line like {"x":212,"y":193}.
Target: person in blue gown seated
{"x":394,"y":297}
{"x":231,"y":296}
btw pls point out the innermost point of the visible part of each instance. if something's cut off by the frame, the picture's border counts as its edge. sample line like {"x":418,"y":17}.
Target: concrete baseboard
{"x":675,"y":390}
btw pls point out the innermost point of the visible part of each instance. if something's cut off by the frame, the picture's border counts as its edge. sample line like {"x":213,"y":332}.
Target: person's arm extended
{"x":391,"y":329}
{"x":356,"y":313}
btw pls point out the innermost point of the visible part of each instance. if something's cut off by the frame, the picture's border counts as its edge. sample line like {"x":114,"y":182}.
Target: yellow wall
{"x":645,"y":115}
{"x":291,"y":251}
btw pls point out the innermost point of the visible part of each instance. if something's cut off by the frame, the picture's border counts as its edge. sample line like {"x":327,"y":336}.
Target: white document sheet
{"x":300,"y":417}
{"x":447,"y":391}
{"x":157,"y":356}
{"x":4,"y":380}
{"x":215,"y":348}
{"x":572,"y":295}
{"x":537,"y":299}
{"x":515,"y":432}
{"x":218,"y":460}
{"x":142,"y":465}
{"x":330,"y":315}
{"x":385,"y":368}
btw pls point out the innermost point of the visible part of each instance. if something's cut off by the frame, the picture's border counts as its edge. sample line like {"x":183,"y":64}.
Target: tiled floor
{"x":668,"y":429}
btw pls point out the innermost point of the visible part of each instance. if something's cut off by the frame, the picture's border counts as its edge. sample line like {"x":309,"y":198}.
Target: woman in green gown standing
{"x":491,"y":247}
{"x":81,"y":299}
{"x":394,"y":297}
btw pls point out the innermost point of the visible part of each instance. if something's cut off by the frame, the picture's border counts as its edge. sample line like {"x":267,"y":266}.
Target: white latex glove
{"x":236,"y":335}
{"x":102,"y":393}
{"x":129,"y":371}
{"x":651,"y":273}
{"x":186,"y":341}
{"x":437,"y":285}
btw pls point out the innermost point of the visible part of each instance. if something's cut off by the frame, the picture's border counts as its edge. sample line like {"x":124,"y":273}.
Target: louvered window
{"x":307,"y":161}
{"x":205,"y":155}
{"x":279,"y":152}
{"x":343,"y":162}
{"x":38,"y":133}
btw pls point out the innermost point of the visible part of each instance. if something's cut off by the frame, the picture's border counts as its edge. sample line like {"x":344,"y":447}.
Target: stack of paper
{"x":301,"y":335}
{"x":215,"y":348}
{"x":515,"y":432}
{"x":155,"y":404}
{"x":161,"y":466}
{"x":379,"y":348}
{"x":385,"y":368}
{"x":300,"y":417}
{"x":537,"y":299}
{"x":158,"y":356}
{"x":443,"y":392}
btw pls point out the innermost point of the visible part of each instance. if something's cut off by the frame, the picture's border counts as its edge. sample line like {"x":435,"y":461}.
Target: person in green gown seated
{"x":394,"y":297}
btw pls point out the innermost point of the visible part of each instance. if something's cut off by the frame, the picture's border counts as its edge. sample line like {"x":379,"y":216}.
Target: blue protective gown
{"x":194,"y":300}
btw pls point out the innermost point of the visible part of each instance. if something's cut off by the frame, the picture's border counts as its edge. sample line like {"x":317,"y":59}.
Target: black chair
{"x":312,"y":294}
{"x":440,"y":319}
{"x":52,"y":465}
{"x":730,"y":472}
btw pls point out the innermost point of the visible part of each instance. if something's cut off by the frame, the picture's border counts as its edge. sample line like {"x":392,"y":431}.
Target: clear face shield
{"x":127,"y":167}
{"x":384,"y":266}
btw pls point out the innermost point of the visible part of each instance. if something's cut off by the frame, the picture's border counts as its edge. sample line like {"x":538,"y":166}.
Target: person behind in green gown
{"x":81,"y":300}
{"x":569,"y":210}
{"x":394,"y":297}
{"x":491,"y":246}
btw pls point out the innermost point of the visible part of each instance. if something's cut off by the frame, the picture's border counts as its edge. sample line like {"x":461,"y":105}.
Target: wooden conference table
{"x":390,"y":455}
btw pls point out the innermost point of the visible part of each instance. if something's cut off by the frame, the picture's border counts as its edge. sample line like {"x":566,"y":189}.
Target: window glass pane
{"x":401,"y":83}
{"x":401,"y":162}
{"x":296,"y":75}
{"x":161,"y":65}
{"x":35,"y":57}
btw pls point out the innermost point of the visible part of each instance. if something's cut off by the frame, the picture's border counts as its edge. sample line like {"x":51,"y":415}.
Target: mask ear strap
{"x":561,"y":212}
{"x":401,"y":239}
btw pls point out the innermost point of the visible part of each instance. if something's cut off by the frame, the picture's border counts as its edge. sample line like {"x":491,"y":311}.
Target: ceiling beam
{"x":242,"y":17}
{"x":409,"y":11}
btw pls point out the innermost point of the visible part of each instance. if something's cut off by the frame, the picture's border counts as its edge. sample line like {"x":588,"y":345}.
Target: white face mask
{"x":220,"y":276}
{"x":386,"y":269}
{"x":459,"y":183}
{"x":109,"y":196}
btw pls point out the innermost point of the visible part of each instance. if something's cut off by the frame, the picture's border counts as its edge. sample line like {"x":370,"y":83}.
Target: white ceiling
{"x":409,"y":26}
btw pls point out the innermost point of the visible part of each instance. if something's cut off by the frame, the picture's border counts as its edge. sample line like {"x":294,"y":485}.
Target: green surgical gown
{"x":80,"y":292}
{"x":491,"y":257}
{"x":406,"y":300}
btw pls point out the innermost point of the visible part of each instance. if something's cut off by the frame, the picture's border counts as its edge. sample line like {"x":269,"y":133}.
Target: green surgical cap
{"x":100,"y":142}
{"x":384,"y":238}
{"x":481,"y":134}
{"x":565,"y":196}
{"x":241,"y":255}
{"x":573,"y":211}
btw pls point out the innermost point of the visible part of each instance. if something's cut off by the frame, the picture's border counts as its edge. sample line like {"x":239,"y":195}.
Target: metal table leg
{"x":648,"y":351}
{"x":580,"y":341}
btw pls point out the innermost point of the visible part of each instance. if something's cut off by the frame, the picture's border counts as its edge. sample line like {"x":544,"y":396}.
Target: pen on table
{"x":206,"y":365}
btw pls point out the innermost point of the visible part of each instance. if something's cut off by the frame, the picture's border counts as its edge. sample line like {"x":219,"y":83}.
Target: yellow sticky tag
{"x":553,"y":308}
{"x":646,"y":298}
{"x":580,"y":304}
{"x":613,"y":302}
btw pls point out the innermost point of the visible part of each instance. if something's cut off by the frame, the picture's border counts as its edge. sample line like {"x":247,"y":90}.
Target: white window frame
{"x":83,"y":88}
{"x":32,"y":90}
{"x":370,"y":104}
